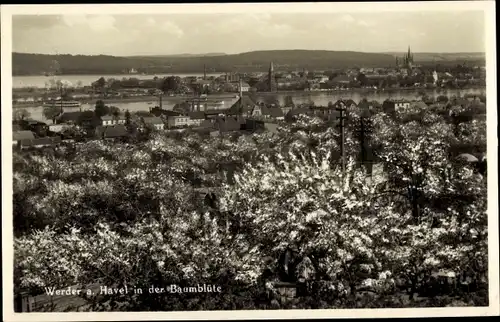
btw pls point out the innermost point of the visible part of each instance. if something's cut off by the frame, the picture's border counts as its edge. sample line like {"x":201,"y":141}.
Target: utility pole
{"x":362,"y":139}
{"x":61,"y":98}
{"x":342,"y":118}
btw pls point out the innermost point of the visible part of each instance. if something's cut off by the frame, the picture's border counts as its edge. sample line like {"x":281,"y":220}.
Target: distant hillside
{"x":427,"y":57}
{"x":178,"y":55}
{"x":36,"y":64}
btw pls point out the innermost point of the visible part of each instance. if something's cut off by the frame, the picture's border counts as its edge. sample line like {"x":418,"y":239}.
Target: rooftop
{"x":22,"y":135}
{"x":152,"y":120}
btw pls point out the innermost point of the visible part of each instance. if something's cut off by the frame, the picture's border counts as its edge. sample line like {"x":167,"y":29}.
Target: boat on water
{"x":62,"y":103}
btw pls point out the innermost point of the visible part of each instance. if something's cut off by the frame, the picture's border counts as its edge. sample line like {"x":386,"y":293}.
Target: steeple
{"x":271,"y":67}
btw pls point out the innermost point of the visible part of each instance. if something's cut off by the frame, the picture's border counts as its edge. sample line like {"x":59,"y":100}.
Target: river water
{"x":319,"y":98}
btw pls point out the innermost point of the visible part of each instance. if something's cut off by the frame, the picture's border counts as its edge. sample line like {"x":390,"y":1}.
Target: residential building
{"x":348,"y":104}
{"x":109,"y":132}
{"x":272,"y":112}
{"x":326,"y":113}
{"x":39,"y":142}
{"x":401,"y":105}
{"x":243,"y":106}
{"x":57,"y":127}
{"x":111,"y":120}
{"x":196,"y":118}
{"x":244,"y":87}
{"x":154,"y":122}
{"x":232,"y":77}
{"x":286,"y":109}
{"x":342,"y":80}
{"x":257,"y":110}
{"x":212,"y":114}
{"x":18,"y":136}
{"x":291,"y":116}
{"x":180,"y":120}
{"x":390,"y":106}
{"x":79,"y":118}
{"x":108,"y":120}
{"x":260,"y":125}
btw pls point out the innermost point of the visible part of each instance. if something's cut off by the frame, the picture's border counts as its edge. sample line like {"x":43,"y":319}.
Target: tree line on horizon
{"x":37,"y":64}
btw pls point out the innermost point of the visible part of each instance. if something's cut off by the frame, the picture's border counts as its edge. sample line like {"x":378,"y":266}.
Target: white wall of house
{"x":195,"y":122}
{"x":57,"y":127}
{"x":400,"y":106}
{"x":159,"y":126}
{"x":179,"y":121}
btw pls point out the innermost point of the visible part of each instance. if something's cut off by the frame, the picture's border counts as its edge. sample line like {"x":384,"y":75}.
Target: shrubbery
{"x":129,"y":214}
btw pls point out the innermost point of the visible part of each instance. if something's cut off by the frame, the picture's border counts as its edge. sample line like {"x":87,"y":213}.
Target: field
{"x":403,"y":225}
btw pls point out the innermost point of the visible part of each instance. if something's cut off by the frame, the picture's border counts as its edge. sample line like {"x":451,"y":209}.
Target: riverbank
{"x":154,"y":100}
{"x":299,"y":96}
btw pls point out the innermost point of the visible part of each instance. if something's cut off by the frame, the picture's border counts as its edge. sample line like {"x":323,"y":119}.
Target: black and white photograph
{"x":228,"y":159}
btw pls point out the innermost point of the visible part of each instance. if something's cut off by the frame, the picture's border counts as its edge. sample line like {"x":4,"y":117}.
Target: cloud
{"x":94,"y":22}
{"x":172,"y":29}
{"x":102,"y":23}
{"x":276,"y":30}
{"x":347,"y":18}
{"x":35,"y":22}
{"x":364,"y":23}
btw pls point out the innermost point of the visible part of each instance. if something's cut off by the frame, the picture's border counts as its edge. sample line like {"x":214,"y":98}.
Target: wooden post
{"x":342,"y":135}
{"x":23,"y":303}
{"x":362,"y":132}
{"x":61,"y":99}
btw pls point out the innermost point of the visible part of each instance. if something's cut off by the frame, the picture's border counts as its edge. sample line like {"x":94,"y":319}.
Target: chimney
{"x":241,"y":90}
{"x":204,"y":72}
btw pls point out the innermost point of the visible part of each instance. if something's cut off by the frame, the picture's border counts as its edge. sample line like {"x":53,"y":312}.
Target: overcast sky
{"x":125,"y":35}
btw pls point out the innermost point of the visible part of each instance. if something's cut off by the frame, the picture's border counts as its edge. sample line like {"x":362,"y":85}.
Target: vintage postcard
{"x":215,"y":161}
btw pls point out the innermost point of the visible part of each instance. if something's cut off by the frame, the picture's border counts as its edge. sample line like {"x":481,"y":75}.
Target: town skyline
{"x":124,"y":35}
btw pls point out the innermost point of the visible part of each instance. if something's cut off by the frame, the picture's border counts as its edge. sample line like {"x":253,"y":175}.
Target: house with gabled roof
{"x":243,"y":106}
{"x":18,"y":136}
{"x":294,"y":113}
{"x":39,"y":142}
{"x":115,"y":131}
{"x":154,"y":122}
{"x":275,"y":113}
{"x":195,"y":118}
{"x":112,"y":119}
{"x":225,"y":124}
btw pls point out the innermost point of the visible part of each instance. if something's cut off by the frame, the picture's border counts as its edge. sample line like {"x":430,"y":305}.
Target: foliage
{"x":121,"y":213}
{"x":20,"y":114}
{"x":51,"y":112}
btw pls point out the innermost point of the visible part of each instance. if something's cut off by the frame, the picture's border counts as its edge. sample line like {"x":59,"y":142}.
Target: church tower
{"x":271,"y":80}
{"x":409,"y":58}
